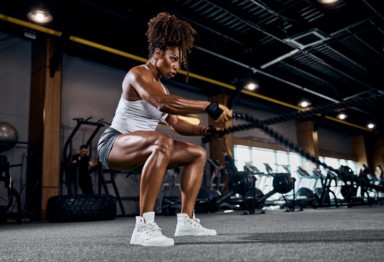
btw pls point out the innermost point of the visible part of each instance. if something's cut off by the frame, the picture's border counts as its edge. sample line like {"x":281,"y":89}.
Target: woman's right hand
{"x":219,"y":112}
{"x":227,"y":114}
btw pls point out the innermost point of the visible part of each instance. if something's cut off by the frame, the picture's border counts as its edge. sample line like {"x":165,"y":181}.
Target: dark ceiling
{"x":294,"y":49}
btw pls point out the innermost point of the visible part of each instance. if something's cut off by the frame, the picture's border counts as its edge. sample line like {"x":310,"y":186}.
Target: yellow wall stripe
{"x":143,"y":60}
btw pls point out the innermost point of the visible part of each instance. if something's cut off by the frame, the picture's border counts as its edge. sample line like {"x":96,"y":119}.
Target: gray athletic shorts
{"x":105,"y":144}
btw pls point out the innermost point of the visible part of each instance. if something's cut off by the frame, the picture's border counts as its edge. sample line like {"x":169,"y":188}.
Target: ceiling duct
{"x":306,"y":39}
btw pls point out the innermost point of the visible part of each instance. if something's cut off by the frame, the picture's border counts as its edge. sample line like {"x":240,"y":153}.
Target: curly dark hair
{"x":166,"y":30}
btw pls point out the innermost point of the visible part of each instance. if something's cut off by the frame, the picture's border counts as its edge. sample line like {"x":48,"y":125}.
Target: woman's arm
{"x":152,"y":91}
{"x":185,"y":128}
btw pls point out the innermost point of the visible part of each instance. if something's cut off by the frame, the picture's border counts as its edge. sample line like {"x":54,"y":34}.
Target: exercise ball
{"x":8,"y":136}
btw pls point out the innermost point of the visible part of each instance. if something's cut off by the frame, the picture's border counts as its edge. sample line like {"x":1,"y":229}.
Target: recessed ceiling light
{"x":342,"y":116}
{"x":304,"y":103}
{"x":327,"y":2}
{"x":251,"y":86}
{"x":39,"y":15}
{"x":371,"y":125}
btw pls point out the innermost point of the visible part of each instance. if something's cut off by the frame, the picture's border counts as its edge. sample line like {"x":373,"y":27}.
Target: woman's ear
{"x":158,"y":53}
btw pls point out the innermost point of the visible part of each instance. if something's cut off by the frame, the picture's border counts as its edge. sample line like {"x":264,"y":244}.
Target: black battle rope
{"x":318,"y":110}
{"x":256,"y":123}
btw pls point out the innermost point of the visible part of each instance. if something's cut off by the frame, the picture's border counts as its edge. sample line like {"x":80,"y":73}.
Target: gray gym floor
{"x":324,"y":234}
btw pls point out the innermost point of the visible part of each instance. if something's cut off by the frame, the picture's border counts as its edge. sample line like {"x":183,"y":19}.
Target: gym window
{"x":276,"y":159}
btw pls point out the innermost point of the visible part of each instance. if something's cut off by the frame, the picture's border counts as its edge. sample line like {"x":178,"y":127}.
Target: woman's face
{"x":168,"y":62}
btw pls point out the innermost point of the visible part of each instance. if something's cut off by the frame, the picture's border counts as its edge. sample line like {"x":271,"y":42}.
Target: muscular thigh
{"x":185,"y":153}
{"x":131,"y":150}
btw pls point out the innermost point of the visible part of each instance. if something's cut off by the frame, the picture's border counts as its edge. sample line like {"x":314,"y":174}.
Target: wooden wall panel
{"x":307,"y":139}
{"x":359,"y":149}
{"x":44,"y":129}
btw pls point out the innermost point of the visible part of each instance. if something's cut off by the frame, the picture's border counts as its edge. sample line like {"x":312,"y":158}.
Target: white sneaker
{"x":148,"y":233}
{"x":191,"y":227}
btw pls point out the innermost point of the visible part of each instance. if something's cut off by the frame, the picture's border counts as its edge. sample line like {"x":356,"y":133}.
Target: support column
{"x":218,"y":149}
{"x":307,"y":138}
{"x":45,"y":119}
{"x":359,"y":150}
{"x":376,"y":153}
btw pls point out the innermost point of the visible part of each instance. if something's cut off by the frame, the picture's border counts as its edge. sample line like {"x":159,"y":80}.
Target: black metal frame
{"x":67,"y":150}
{"x":11,"y":191}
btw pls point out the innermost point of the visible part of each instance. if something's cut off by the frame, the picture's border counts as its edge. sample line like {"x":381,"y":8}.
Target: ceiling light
{"x":39,"y":15}
{"x":371,"y":125}
{"x":342,"y":116}
{"x":327,"y":2}
{"x":304,"y":103}
{"x":251,"y":86}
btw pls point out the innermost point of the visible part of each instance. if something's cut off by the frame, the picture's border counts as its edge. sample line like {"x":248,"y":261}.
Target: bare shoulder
{"x":135,"y":73}
{"x":136,"y":82}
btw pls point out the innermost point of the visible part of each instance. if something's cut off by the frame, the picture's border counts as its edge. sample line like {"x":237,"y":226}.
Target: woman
{"x":132,"y":141}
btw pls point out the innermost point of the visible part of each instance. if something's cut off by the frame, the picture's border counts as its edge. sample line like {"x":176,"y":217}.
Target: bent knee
{"x":200,"y":153}
{"x":164,"y":144}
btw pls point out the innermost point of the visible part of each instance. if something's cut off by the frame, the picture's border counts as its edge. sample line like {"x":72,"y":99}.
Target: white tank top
{"x":137,"y":115}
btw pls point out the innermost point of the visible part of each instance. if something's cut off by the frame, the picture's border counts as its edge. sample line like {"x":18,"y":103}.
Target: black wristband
{"x":210,"y":131}
{"x":213,"y":110}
